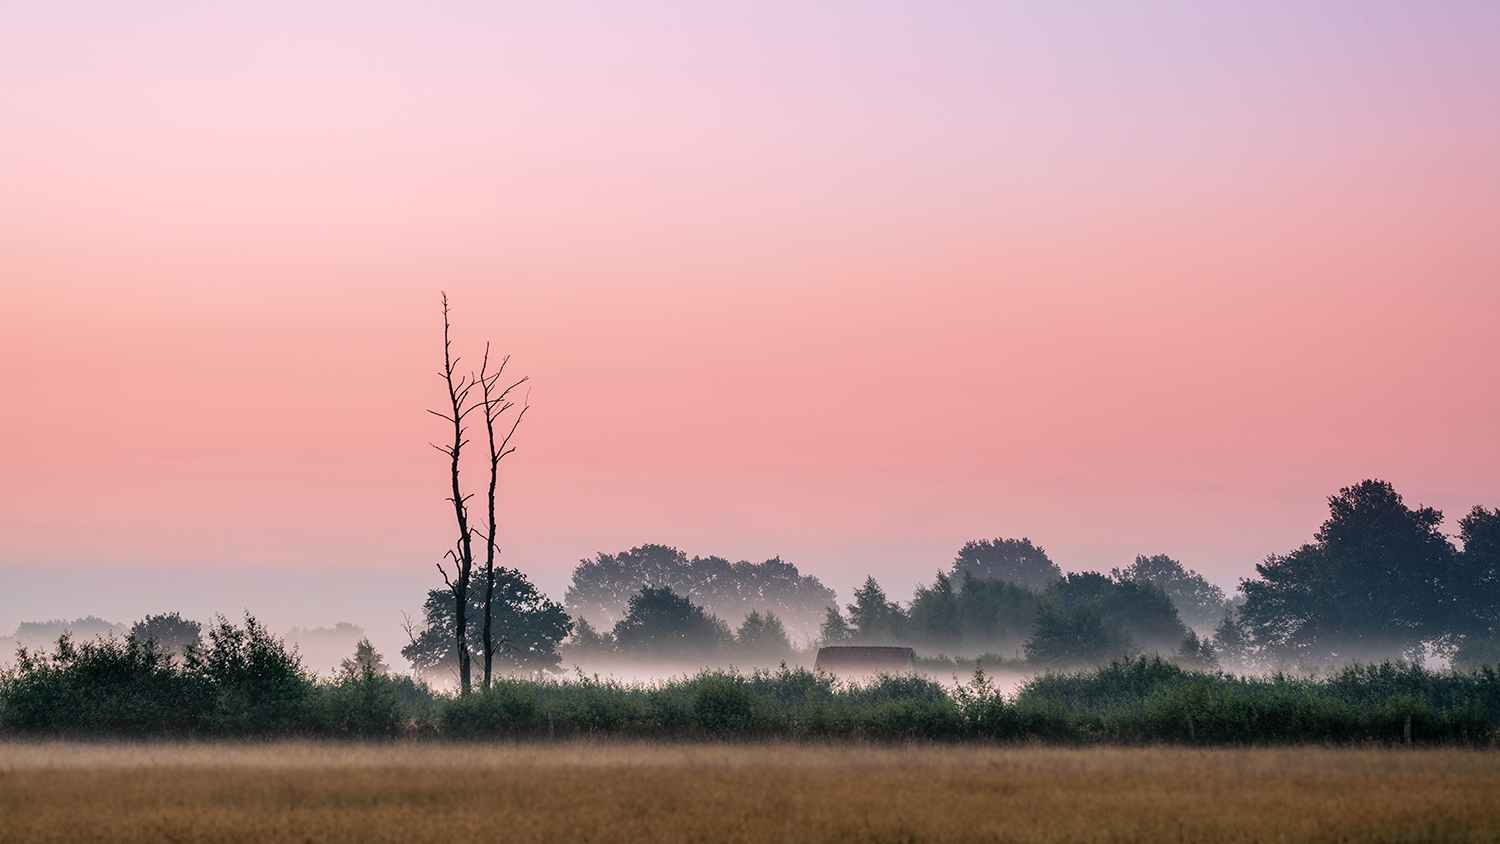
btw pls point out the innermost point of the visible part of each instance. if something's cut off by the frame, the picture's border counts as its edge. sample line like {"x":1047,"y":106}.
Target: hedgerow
{"x":245,"y":682}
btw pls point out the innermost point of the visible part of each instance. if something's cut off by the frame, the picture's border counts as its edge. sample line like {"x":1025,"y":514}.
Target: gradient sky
{"x":851,"y":283}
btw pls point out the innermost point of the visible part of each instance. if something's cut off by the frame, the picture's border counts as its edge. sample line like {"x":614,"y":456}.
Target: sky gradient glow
{"x":849,"y":283}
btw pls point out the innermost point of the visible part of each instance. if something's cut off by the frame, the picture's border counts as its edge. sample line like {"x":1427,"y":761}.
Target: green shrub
{"x":510,"y":707}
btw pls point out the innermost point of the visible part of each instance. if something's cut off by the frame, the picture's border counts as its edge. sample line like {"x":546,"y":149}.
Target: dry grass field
{"x":622,"y":791}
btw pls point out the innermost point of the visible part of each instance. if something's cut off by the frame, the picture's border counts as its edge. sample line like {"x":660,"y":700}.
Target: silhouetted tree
{"x":981,"y":614}
{"x":170,"y":631}
{"x":1015,"y":560}
{"x":1476,"y":576}
{"x":1376,"y":580}
{"x":1200,"y":603}
{"x":496,"y":403}
{"x":659,"y":622}
{"x":874,"y":618}
{"x":365,"y":658}
{"x":835,"y":628}
{"x":462,"y":554}
{"x":602,"y":587}
{"x":528,"y":625}
{"x":1071,"y":635}
{"x":763,"y":636}
{"x":1138,"y":607}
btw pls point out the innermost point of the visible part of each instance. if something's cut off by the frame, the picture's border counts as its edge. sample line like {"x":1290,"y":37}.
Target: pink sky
{"x":852,"y":284}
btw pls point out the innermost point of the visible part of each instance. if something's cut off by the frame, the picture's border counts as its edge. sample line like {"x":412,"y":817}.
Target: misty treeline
{"x":241,"y":681}
{"x":1378,"y":581}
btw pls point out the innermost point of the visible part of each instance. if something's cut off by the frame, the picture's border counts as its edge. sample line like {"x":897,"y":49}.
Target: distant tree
{"x":1475,"y":582}
{"x":1014,"y":560}
{"x":1200,"y":603}
{"x":365,"y":657}
{"x":763,"y":636}
{"x":1138,"y":607}
{"x":1375,"y":582}
{"x":1074,"y":635}
{"x":1196,"y":654}
{"x":659,"y":622}
{"x":835,"y":628}
{"x":586,"y":642}
{"x":527,"y":627}
{"x":874,"y":618}
{"x":602,"y":587}
{"x":981,"y":614}
{"x":41,"y":633}
{"x":1231,"y":642}
{"x":1142,"y":608}
{"x":171,"y":632}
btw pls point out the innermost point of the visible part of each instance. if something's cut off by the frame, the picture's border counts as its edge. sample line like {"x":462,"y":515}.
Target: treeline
{"x":242,"y":682}
{"x":1380,"y":580}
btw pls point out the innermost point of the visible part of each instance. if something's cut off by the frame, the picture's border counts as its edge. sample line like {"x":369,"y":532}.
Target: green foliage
{"x":1076,"y":634}
{"x":170,"y":631}
{"x":1379,"y":578}
{"x":258,"y":686}
{"x":662,"y":623}
{"x":125,"y":687}
{"x":1200,"y":603}
{"x":1007,"y":560}
{"x":982,"y":613}
{"x":526,"y":627}
{"x":101,"y":686}
{"x":763,"y":637}
{"x":361,"y":702}
{"x":602,"y":587}
{"x":873,"y":619}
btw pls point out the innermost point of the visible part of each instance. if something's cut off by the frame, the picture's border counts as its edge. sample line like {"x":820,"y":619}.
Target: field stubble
{"x":627,"y":791}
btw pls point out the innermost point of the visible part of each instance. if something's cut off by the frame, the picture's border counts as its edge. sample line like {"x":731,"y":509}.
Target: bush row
{"x":243,"y":682}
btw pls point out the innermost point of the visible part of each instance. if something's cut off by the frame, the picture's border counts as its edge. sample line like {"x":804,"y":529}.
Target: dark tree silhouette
{"x":170,"y":631}
{"x":874,"y":618}
{"x":602,"y":587}
{"x":1376,"y":580}
{"x":1200,"y":603}
{"x":462,"y":554}
{"x":1015,"y":560}
{"x":662,"y":623}
{"x":529,"y":625}
{"x":496,"y":403}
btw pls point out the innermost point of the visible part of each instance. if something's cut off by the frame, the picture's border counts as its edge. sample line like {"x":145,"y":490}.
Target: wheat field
{"x":623,"y":791}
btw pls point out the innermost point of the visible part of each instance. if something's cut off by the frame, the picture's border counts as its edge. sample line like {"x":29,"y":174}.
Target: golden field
{"x":625,"y":791}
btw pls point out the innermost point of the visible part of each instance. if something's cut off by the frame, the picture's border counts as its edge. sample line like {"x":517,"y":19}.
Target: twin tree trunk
{"x":494,"y":402}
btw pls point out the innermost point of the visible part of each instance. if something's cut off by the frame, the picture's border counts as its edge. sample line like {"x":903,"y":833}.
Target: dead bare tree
{"x":496,"y":402}
{"x":462,"y":553}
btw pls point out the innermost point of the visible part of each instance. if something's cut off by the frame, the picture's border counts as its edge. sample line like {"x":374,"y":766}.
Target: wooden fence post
{"x":1192,"y":735}
{"x":551,"y":728}
{"x":1407,"y":731}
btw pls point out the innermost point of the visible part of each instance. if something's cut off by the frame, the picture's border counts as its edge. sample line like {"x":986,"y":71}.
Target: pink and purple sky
{"x":850,"y":283}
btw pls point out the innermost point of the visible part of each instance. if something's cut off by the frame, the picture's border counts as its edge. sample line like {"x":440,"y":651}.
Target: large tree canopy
{"x":1378,"y":579}
{"x":981,"y":614}
{"x":527,"y":627}
{"x":602,"y":587}
{"x":661,"y":623}
{"x":1014,"y":560}
{"x":1200,"y":603}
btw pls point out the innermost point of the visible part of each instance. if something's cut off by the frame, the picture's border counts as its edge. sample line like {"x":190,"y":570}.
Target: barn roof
{"x":865,"y":661}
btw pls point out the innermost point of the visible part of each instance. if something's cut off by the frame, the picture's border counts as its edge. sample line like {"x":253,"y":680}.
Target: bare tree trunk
{"x":495,"y":404}
{"x":463,"y":552}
